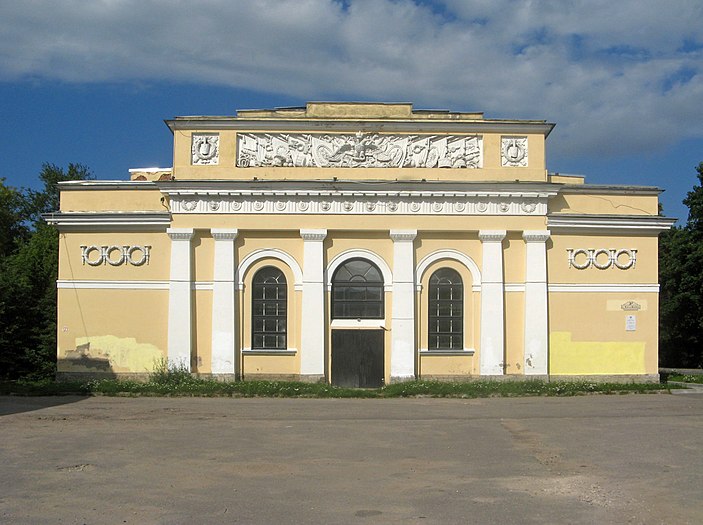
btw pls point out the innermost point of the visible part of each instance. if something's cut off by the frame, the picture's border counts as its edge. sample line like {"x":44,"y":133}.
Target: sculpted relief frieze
{"x":360,"y":150}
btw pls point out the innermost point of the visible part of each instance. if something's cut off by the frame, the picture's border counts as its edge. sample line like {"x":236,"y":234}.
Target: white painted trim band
{"x":605,"y":288}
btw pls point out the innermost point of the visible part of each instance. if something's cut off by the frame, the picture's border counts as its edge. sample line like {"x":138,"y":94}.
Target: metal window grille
{"x":269,"y":310}
{"x":446,"y":310}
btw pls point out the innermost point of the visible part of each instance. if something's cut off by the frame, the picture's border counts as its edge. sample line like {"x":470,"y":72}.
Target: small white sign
{"x":630,"y":323}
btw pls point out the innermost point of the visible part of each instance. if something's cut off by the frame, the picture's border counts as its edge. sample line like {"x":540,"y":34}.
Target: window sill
{"x":249,"y":351}
{"x":464,"y":352}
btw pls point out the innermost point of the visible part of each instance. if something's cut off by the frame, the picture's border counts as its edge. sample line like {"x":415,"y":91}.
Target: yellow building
{"x":358,"y":244}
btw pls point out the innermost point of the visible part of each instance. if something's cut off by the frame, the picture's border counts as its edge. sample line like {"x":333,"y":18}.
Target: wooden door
{"x":357,"y":358}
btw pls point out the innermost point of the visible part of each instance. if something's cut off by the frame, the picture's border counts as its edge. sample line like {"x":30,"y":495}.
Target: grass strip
{"x":182,"y":385}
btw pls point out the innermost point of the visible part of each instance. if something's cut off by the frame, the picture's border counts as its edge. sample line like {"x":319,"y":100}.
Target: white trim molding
{"x":84,"y":284}
{"x":603,"y":288}
{"x":454,"y":255}
{"x":360,"y":253}
{"x":273,"y":253}
{"x":367,"y":324}
{"x":109,"y":220}
{"x":609,"y":224}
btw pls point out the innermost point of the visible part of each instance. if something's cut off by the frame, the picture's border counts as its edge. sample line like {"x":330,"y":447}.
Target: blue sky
{"x":91,"y":82}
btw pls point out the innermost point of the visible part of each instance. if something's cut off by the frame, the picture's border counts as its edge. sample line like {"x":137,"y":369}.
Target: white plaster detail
{"x":343,"y":257}
{"x":179,"y":298}
{"x":126,"y":254}
{"x":377,"y":203}
{"x":403,"y":306}
{"x":602,"y":258}
{"x":455,"y":255}
{"x":536,"y":336}
{"x":205,"y":149}
{"x":513,"y":151}
{"x":223,"y":302}
{"x":359,"y":150}
{"x":492,"y":308}
{"x":273,"y":253}
{"x":604,"y":288}
{"x":312,"y":357}
{"x":359,"y":323}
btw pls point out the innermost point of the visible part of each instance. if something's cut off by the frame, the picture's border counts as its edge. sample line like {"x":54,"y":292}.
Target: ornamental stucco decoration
{"x":602,"y":258}
{"x":205,"y":149}
{"x":429,"y":203}
{"x":361,"y":150}
{"x":115,"y":255}
{"x":513,"y":151}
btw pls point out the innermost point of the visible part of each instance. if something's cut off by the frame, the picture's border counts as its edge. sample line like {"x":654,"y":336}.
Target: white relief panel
{"x":205,"y":149}
{"x":513,"y":151}
{"x":115,"y":255}
{"x":361,"y":150}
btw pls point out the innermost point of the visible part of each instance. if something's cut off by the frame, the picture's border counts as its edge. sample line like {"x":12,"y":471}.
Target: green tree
{"x":28,"y":272}
{"x":681,"y":279}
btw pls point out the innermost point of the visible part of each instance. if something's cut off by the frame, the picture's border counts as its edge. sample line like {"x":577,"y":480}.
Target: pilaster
{"x":312,"y":352}
{"x":403,"y":314}
{"x":224,"y":311}
{"x":179,"y":298}
{"x":536,"y":319}
{"x":492,"y":306}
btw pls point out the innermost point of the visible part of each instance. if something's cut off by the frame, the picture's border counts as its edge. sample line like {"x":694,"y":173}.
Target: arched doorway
{"x":357,"y":354}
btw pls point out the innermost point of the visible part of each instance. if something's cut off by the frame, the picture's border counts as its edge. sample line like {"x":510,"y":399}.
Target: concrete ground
{"x":591,"y":459}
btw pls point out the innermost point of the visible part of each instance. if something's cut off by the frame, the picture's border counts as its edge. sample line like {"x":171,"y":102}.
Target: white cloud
{"x":631,"y":69}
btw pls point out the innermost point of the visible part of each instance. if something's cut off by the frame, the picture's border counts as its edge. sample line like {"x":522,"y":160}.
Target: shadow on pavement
{"x":17,"y":404}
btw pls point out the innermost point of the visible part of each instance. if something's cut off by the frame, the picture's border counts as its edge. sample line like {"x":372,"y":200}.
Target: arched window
{"x":357,"y":291}
{"x":446,"y":311}
{"x":269,"y":309}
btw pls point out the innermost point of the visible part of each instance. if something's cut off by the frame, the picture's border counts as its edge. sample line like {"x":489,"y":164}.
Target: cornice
{"x":127,"y":220}
{"x":613,"y":224}
{"x":354,"y":125}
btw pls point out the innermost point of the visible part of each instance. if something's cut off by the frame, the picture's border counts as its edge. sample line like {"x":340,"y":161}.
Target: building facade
{"x":358,"y":244}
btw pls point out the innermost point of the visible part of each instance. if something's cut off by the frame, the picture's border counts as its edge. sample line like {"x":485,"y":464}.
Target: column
{"x":312,"y":340}
{"x":492,"y":309}
{"x":536,"y":321}
{"x":224,"y":312}
{"x":403,"y":315}
{"x":179,"y":298}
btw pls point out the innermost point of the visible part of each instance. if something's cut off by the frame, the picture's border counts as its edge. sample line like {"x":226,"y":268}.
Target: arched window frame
{"x":446,"y":311}
{"x":370,"y":298}
{"x":269,"y":310}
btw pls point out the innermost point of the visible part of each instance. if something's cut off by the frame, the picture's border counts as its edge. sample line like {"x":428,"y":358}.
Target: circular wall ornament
{"x":258,"y":205}
{"x":415,"y":207}
{"x":370,"y":206}
{"x":190,"y":205}
{"x":280,"y":205}
{"x":528,"y":207}
{"x":214,"y":205}
{"x":325,"y":206}
{"x":303,"y":206}
{"x":459,"y":206}
{"x":236,"y":205}
{"x":348,"y":206}
{"x":392,"y":206}
{"x":482,"y":207}
{"x":504,"y":207}
{"x":437,"y":207}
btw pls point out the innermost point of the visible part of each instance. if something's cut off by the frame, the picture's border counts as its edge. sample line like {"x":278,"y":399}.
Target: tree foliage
{"x":28,"y":272}
{"x":681,"y":279}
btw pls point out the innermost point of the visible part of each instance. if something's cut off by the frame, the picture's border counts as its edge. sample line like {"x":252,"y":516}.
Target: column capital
{"x":536,"y":235}
{"x":403,"y":235}
{"x":180,"y":234}
{"x":313,"y":235}
{"x":491,"y":235}
{"x":224,"y":234}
